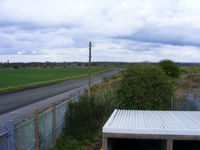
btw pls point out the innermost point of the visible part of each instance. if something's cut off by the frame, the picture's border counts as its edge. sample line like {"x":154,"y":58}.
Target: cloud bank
{"x":120,"y":30}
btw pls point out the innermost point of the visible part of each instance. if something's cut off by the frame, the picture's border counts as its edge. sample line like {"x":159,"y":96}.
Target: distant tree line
{"x":22,"y":65}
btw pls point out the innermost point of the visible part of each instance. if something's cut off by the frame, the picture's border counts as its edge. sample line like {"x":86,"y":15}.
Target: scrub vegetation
{"x":17,"y":79}
{"x":141,"y":86}
{"x":85,"y":118}
{"x":189,"y":81}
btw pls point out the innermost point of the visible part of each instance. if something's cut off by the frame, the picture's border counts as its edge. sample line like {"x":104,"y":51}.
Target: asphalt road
{"x":14,"y":100}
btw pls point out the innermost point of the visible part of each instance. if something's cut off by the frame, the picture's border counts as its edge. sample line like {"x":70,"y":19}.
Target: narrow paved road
{"x":14,"y":100}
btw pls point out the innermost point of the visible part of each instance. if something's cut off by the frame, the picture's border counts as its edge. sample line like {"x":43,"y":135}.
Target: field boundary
{"x":45,"y":83}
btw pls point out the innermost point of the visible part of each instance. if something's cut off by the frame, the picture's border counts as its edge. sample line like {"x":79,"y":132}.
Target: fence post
{"x":86,"y":92}
{"x":11,"y":135}
{"x":79,"y":94}
{"x":71,"y":97}
{"x":54,"y":123}
{"x":36,"y":121}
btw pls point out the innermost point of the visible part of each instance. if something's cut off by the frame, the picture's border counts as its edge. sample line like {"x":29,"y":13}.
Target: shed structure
{"x":168,"y":130}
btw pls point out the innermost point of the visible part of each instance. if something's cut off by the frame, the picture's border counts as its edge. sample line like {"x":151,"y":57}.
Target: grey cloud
{"x":32,"y":26}
{"x":173,"y":35}
{"x":125,"y":28}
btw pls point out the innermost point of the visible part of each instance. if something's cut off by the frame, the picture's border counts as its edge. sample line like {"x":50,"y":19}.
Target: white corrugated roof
{"x":154,"y":122}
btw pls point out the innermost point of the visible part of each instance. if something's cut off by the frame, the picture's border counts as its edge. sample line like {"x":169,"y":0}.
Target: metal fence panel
{"x":24,"y":132}
{"x":45,"y":129}
{"x":60,"y":117}
{"x":190,"y":103}
{"x":25,"y":135}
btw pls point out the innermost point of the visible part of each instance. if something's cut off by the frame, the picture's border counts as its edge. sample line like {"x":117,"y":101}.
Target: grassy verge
{"x":48,"y":82}
{"x":70,"y":143}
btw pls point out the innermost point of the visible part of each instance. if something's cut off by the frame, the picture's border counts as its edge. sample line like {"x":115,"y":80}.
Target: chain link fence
{"x":25,"y":132}
{"x":190,"y":103}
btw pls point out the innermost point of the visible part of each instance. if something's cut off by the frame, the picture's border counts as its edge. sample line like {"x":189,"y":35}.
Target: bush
{"x":145,"y":87}
{"x":86,"y":117}
{"x":170,"y":68}
{"x":16,"y":67}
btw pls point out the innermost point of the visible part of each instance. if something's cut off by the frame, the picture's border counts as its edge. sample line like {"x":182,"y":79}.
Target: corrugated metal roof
{"x":154,"y":122}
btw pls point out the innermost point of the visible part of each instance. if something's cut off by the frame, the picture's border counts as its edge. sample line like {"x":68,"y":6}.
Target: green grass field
{"x":11,"y":80}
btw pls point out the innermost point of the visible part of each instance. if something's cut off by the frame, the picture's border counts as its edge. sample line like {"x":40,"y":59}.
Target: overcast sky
{"x":120,"y":30}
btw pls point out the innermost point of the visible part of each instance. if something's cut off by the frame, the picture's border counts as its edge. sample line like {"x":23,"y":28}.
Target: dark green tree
{"x":170,"y":68}
{"x":145,"y":87}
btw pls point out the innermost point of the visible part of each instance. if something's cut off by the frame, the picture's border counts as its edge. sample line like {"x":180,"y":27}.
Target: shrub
{"x":16,"y":67}
{"x":145,"y":87}
{"x":85,"y":117}
{"x":170,"y":68}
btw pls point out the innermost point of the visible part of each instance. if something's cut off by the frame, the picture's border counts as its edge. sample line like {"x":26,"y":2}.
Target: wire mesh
{"x":45,"y":129}
{"x":190,"y":103}
{"x":25,"y":130}
{"x":3,"y":142}
{"x":25,"y":135}
{"x":60,"y":117}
